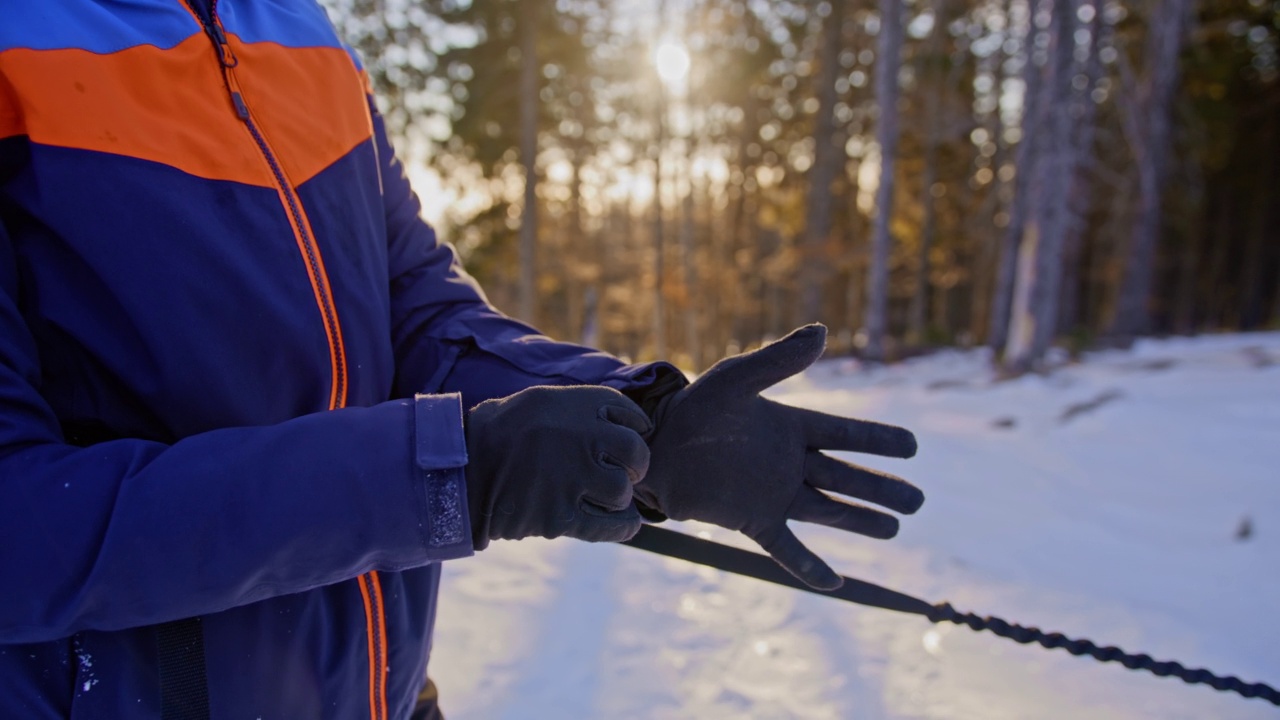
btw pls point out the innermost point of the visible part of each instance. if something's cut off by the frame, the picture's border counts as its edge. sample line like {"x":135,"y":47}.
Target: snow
{"x":85,"y":661}
{"x":1118,"y":524}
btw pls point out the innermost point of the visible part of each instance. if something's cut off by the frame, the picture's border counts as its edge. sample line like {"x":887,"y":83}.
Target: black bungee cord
{"x":743,"y":562}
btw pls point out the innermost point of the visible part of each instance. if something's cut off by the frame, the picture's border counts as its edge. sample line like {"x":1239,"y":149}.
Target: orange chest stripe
{"x":309,"y":101}
{"x":171,"y":106}
{"x":167,"y":106}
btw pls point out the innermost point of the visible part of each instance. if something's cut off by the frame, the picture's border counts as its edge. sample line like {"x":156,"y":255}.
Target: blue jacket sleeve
{"x":128,"y":532}
{"x":446,"y":334}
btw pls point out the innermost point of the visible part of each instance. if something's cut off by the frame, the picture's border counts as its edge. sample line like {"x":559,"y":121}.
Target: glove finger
{"x":832,"y":432}
{"x":838,"y":476}
{"x":608,"y":487}
{"x":814,"y":506}
{"x":620,"y":410}
{"x":595,"y":525}
{"x":753,"y":372}
{"x":797,"y":559}
{"x":619,"y":447}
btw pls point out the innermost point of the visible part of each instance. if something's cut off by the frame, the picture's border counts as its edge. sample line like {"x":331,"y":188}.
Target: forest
{"x":685,"y":179}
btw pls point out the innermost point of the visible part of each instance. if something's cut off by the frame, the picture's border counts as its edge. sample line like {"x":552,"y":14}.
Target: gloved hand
{"x":725,"y":455}
{"x":552,"y":461}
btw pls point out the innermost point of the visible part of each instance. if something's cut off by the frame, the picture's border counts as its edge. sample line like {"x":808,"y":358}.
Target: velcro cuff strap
{"x":439,"y":439}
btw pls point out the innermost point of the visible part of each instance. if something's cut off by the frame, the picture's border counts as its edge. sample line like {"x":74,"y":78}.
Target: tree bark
{"x":918,"y":315}
{"x":1148,"y":122}
{"x":1024,"y":164}
{"x":1186,"y":306}
{"x":1036,"y":311}
{"x":659,"y":143}
{"x":1253,"y":310}
{"x":580,"y":273}
{"x":928,"y":176}
{"x":981,"y":224}
{"x":692,"y":338}
{"x":854,"y":296}
{"x":887,"y":60}
{"x":1079,"y":191}
{"x":529,"y":11}
{"x":743,"y":250}
{"x":827,"y":160}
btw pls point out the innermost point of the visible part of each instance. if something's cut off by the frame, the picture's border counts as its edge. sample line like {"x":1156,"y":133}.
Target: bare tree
{"x":1024,"y":162}
{"x":529,"y":10}
{"x":1147,"y":114}
{"x":659,"y":145}
{"x":1035,"y":312}
{"x":1084,"y":112}
{"x":934,"y":113}
{"x":1252,"y":309}
{"x":887,"y":60}
{"x":692,"y":336}
{"x":827,"y":160}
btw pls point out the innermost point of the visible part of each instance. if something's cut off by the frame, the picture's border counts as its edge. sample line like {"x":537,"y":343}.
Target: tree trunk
{"x":854,"y":296}
{"x":1186,"y":316}
{"x":529,"y":11}
{"x":582,"y":271}
{"x":692,"y":338}
{"x":1024,"y":164}
{"x":887,"y":60}
{"x":1216,"y":299}
{"x":1079,"y":191}
{"x":981,"y":224}
{"x":1273,"y":227}
{"x":1148,"y":122}
{"x":659,"y":145}
{"x":827,"y":159}
{"x":917,"y":317}
{"x":1036,"y":310}
{"x":1253,"y":309}
{"x":745,"y":279}
{"x":928,"y":176}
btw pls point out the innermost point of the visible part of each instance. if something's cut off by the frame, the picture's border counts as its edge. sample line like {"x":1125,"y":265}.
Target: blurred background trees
{"x":688,"y":178}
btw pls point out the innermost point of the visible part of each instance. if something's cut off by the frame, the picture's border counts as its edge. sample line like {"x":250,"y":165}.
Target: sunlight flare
{"x":672,"y":60}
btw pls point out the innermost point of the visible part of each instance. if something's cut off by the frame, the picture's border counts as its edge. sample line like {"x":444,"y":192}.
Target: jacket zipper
{"x":292,"y":206}
{"x":375,"y":622}
{"x":370,"y":587}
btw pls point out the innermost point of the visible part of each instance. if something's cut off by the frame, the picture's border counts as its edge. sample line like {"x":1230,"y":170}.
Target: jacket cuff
{"x":648,"y":385}
{"x":440,"y":456}
{"x":651,"y":386}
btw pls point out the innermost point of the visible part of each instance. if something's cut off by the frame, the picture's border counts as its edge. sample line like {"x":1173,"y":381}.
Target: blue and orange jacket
{"x":233,"y":361}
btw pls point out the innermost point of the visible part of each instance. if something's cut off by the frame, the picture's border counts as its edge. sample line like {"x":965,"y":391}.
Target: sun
{"x":672,"y":62}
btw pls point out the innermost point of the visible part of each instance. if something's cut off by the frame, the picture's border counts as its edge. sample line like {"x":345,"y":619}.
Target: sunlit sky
{"x":672,"y":61}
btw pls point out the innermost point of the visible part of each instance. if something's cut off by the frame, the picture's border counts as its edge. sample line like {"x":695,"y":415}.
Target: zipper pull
{"x":242,"y":110}
{"x":215,"y":33}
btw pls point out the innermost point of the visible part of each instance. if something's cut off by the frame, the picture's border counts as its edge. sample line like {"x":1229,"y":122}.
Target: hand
{"x":725,"y":455}
{"x":552,"y":461}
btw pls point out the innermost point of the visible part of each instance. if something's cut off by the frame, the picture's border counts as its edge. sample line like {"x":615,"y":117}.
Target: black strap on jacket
{"x":184,"y":685}
{"x":762,"y":567}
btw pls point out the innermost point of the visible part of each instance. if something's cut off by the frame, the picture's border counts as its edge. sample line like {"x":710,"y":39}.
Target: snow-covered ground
{"x":1118,"y":523}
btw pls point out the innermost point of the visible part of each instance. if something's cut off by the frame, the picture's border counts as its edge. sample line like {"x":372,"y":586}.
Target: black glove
{"x":552,"y":461}
{"x":725,"y":455}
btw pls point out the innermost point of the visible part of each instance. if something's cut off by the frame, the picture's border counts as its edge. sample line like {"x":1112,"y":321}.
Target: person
{"x":249,"y":402}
